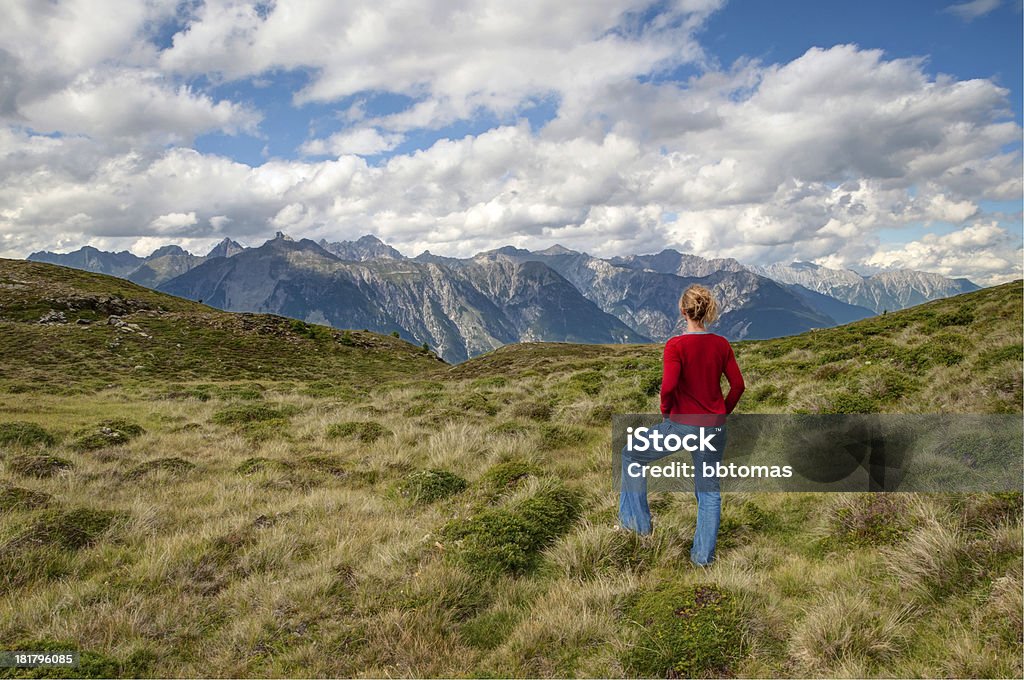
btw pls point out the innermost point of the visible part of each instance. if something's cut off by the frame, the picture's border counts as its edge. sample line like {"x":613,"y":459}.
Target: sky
{"x":869,"y":135}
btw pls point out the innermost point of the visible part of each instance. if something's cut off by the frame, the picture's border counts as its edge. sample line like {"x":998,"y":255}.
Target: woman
{"x":691,"y":399}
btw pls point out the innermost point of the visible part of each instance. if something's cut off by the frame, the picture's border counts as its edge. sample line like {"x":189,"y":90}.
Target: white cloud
{"x":78,"y":67}
{"x":175,"y":224}
{"x":455,"y":57}
{"x":986,"y":253}
{"x":360,"y":142}
{"x":969,"y":11}
{"x":141,"y":105}
{"x":808,"y":159}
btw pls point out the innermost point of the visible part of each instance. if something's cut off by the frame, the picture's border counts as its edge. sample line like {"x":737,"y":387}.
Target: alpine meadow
{"x":191,"y":492}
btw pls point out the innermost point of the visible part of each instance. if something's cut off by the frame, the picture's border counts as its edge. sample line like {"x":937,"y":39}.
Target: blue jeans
{"x":634,"y":514}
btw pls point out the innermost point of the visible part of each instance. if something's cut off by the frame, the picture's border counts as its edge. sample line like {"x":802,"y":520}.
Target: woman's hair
{"x":698,"y":304}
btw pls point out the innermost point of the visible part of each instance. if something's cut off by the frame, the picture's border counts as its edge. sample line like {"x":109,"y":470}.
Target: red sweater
{"x":691,"y":381}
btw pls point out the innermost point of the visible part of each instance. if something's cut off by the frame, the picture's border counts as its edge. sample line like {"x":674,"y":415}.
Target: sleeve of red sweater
{"x":672,"y":366}
{"x":735,"y":378}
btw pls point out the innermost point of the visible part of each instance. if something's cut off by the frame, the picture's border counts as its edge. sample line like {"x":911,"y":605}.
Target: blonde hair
{"x":698,"y":304}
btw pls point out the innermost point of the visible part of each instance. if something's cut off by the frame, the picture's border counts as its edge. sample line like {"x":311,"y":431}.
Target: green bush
{"x":474,"y":402}
{"x":992,"y":357}
{"x":509,"y":474}
{"x":20,"y":498}
{"x":244,"y":414}
{"x":25,"y":434}
{"x":769,"y":395}
{"x":510,"y":538}
{"x":67,"y":529}
{"x":556,"y":436}
{"x":311,"y":331}
{"x":685,"y":631}
{"x":172,"y":465}
{"x":962,"y":316}
{"x":332,"y":465}
{"x":650,"y":383}
{"x":509,"y":428}
{"x":427,"y":486}
{"x":38,"y":465}
{"x":366,"y":432}
{"x":874,"y":519}
{"x":851,"y":402}
{"x":588,"y":382}
{"x":533,"y":410}
{"x":115,"y":432}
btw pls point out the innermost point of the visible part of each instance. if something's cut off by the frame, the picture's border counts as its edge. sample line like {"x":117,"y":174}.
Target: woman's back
{"x":694,"y":364}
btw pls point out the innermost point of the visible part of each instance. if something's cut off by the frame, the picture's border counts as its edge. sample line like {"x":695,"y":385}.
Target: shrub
{"x":962,"y":316}
{"x":769,"y":395}
{"x":25,"y":434}
{"x":996,"y":356}
{"x":67,"y":529}
{"x":871,"y":519}
{"x":588,"y":382}
{"x":172,"y":465}
{"x":332,"y":465}
{"x":851,"y":402}
{"x":509,"y":539}
{"x":115,"y":432}
{"x":366,"y":432}
{"x":427,"y":486}
{"x":555,"y":436}
{"x":532,"y":410}
{"x":685,"y":631}
{"x":347,"y":339}
{"x":509,"y":428}
{"x":38,"y":465}
{"x":244,"y":414}
{"x":20,"y":498}
{"x":307,"y":330}
{"x":650,"y":383}
{"x":328,"y":389}
{"x":509,"y":474}
{"x":740,"y":522}
{"x":488,"y":630}
{"x":474,"y":402}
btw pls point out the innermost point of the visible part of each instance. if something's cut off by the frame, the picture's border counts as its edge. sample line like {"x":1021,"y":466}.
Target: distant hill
{"x":70,"y":329}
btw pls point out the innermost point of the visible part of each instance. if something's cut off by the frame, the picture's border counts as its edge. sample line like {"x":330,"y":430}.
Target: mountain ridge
{"x":456,"y":306}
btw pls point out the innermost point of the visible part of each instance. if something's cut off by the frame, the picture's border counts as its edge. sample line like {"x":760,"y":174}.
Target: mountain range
{"x":462,"y":307}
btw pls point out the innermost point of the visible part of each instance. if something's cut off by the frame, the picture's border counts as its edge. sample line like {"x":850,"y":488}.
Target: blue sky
{"x":772,"y":32}
{"x":866,"y":135}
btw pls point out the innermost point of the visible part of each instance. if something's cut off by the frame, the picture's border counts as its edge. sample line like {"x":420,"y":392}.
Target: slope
{"x":66,"y":329}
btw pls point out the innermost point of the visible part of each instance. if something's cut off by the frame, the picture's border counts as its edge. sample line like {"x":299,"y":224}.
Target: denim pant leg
{"x":709,"y":503}
{"x":634,"y":513}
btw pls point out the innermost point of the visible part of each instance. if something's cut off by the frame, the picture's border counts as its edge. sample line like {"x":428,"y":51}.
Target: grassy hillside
{"x":167,"y":339}
{"x":270,"y":500}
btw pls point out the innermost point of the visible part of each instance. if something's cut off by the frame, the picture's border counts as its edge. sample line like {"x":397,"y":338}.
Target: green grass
{"x":286,"y":500}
